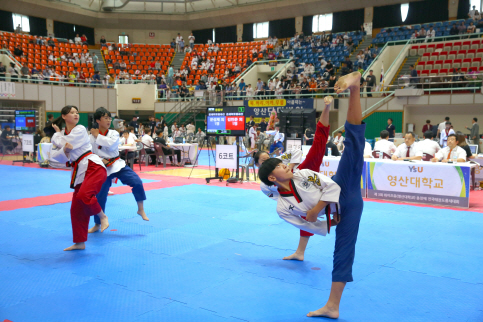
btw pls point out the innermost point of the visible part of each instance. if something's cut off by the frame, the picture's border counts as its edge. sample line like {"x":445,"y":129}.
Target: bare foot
{"x":94,"y":229}
{"x":76,"y":246}
{"x":328,"y":100}
{"x":143,"y":214}
{"x":347,"y":81}
{"x":104,"y":223}
{"x":295,"y":256}
{"x":326,"y":312}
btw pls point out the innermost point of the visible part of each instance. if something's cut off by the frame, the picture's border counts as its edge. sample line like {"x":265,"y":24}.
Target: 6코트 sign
{"x":437,"y":184}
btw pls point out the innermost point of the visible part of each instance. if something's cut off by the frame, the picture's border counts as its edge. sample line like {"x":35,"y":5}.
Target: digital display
{"x":227,"y":120}
{"x":25,"y":121}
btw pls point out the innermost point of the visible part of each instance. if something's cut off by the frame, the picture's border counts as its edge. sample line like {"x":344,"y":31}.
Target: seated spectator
{"x":17,"y":51}
{"x":330,"y":145}
{"x":367,"y":151}
{"x":383,"y":145}
{"x":3,"y":71}
{"x":339,"y":140}
{"x":103,"y":41}
{"x":173,"y":44}
{"x":454,"y":30}
{"x":450,"y":153}
{"x":51,"y":42}
{"x":409,"y":150}
{"x":160,"y":138}
{"x":77,"y":40}
{"x":429,"y":146}
{"x":471,"y":28}
{"x":6,"y":139}
{"x":430,"y":34}
{"x":461,"y":139}
{"x":462,"y":28}
{"x":84,"y":40}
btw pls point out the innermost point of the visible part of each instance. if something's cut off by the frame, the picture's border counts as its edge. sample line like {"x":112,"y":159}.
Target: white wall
{"x":126,"y":92}
{"x":56,"y":97}
{"x":386,"y":58}
{"x":141,"y":36}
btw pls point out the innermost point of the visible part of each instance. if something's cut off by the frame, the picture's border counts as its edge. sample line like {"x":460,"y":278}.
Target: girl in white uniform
{"x":88,"y":173}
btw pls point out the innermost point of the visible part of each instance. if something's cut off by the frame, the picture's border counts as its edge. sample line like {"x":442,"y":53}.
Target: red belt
{"x":75,"y":166}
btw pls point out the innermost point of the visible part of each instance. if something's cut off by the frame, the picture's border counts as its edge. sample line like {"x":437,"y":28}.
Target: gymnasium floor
{"x":214,"y":253}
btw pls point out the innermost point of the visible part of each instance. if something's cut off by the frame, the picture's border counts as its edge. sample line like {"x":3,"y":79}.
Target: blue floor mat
{"x":215,"y":254}
{"x":41,"y":182}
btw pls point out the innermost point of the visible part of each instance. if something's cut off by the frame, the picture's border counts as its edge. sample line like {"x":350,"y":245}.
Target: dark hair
{"x":125,"y":132}
{"x":475,"y":119}
{"x":266,"y":169}
{"x":412,"y":134}
{"x":384,"y":134}
{"x":454,"y":135}
{"x":158,"y":132}
{"x":49,"y":116}
{"x":60,"y":122}
{"x":6,"y":127}
{"x":257,"y":155}
{"x":429,"y":135}
{"x":100,"y":112}
{"x":390,"y":119}
{"x":447,"y":122}
{"x":428,"y":121}
{"x":446,"y":118}
{"x":461,"y":138}
{"x":340,"y":132}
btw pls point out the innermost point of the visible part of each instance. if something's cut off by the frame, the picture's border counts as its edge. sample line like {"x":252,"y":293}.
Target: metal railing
{"x":12,"y":57}
{"x":369,"y":110}
{"x":284,"y":68}
{"x":260,"y":62}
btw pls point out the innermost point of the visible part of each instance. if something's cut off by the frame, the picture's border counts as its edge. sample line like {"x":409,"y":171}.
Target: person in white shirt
{"x":310,"y":194}
{"x":178,"y":40}
{"x":77,"y":40}
{"x":191,"y":40}
{"x":445,"y":133}
{"x":148,"y":144}
{"x":73,"y":147}
{"x":428,"y":146}
{"x":383,"y":145}
{"x":176,"y":133}
{"x":253,"y":136}
{"x":249,"y":91}
{"x":338,"y":140}
{"x":174,"y":126}
{"x":442,"y":126}
{"x":367,"y":151}
{"x":190,"y":128}
{"x":105,"y":144}
{"x":451,"y":152}
{"x":277,"y":140}
{"x":409,"y":150}
{"x":430,"y":34}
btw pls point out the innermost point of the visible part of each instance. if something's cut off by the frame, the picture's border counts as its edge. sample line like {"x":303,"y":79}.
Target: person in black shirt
{"x":370,"y":83}
{"x":304,"y":86}
{"x":332,"y":82}
{"x":251,"y":122}
{"x":160,"y":139}
{"x":263,"y":125}
{"x":6,"y":140}
{"x":152,"y":123}
{"x":390,"y":128}
{"x":3,"y":70}
{"x":331,"y":145}
{"x":17,"y":51}
{"x":461,"y":139}
{"x":348,"y":63}
{"x":134,"y":124}
{"x":48,"y":129}
{"x":454,"y":30}
{"x":345,"y":69}
{"x":329,"y":68}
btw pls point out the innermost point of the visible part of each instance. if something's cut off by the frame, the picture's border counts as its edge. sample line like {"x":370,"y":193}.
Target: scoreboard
{"x":225,"y":120}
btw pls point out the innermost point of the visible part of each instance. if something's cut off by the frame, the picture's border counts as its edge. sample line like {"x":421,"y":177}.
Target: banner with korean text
{"x":7,"y":89}
{"x":329,"y":168}
{"x":263,"y":108}
{"x":429,"y":183}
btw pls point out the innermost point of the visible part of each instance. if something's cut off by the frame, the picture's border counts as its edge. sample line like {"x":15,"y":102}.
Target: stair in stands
{"x":177,"y":61}
{"x":102,"y":64}
{"x":362,"y":46}
{"x":404,"y":68}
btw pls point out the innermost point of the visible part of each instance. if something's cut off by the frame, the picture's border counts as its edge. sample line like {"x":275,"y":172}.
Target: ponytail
{"x":60,"y":122}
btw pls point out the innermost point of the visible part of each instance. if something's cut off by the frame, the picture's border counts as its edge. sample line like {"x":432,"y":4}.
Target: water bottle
{"x":454,"y":157}
{"x":329,"y":152}
{"x":381,"y":155}
{"x":183,"y":140}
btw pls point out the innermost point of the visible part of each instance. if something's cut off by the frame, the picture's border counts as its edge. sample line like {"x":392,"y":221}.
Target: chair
{"x":145,"y":155}
{"x":158,"y":147}
{"x":375,"y":154}
{"x":249,"y":162}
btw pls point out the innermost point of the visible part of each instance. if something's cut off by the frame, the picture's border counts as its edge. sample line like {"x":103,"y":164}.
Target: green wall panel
{"x":377,"y":121}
